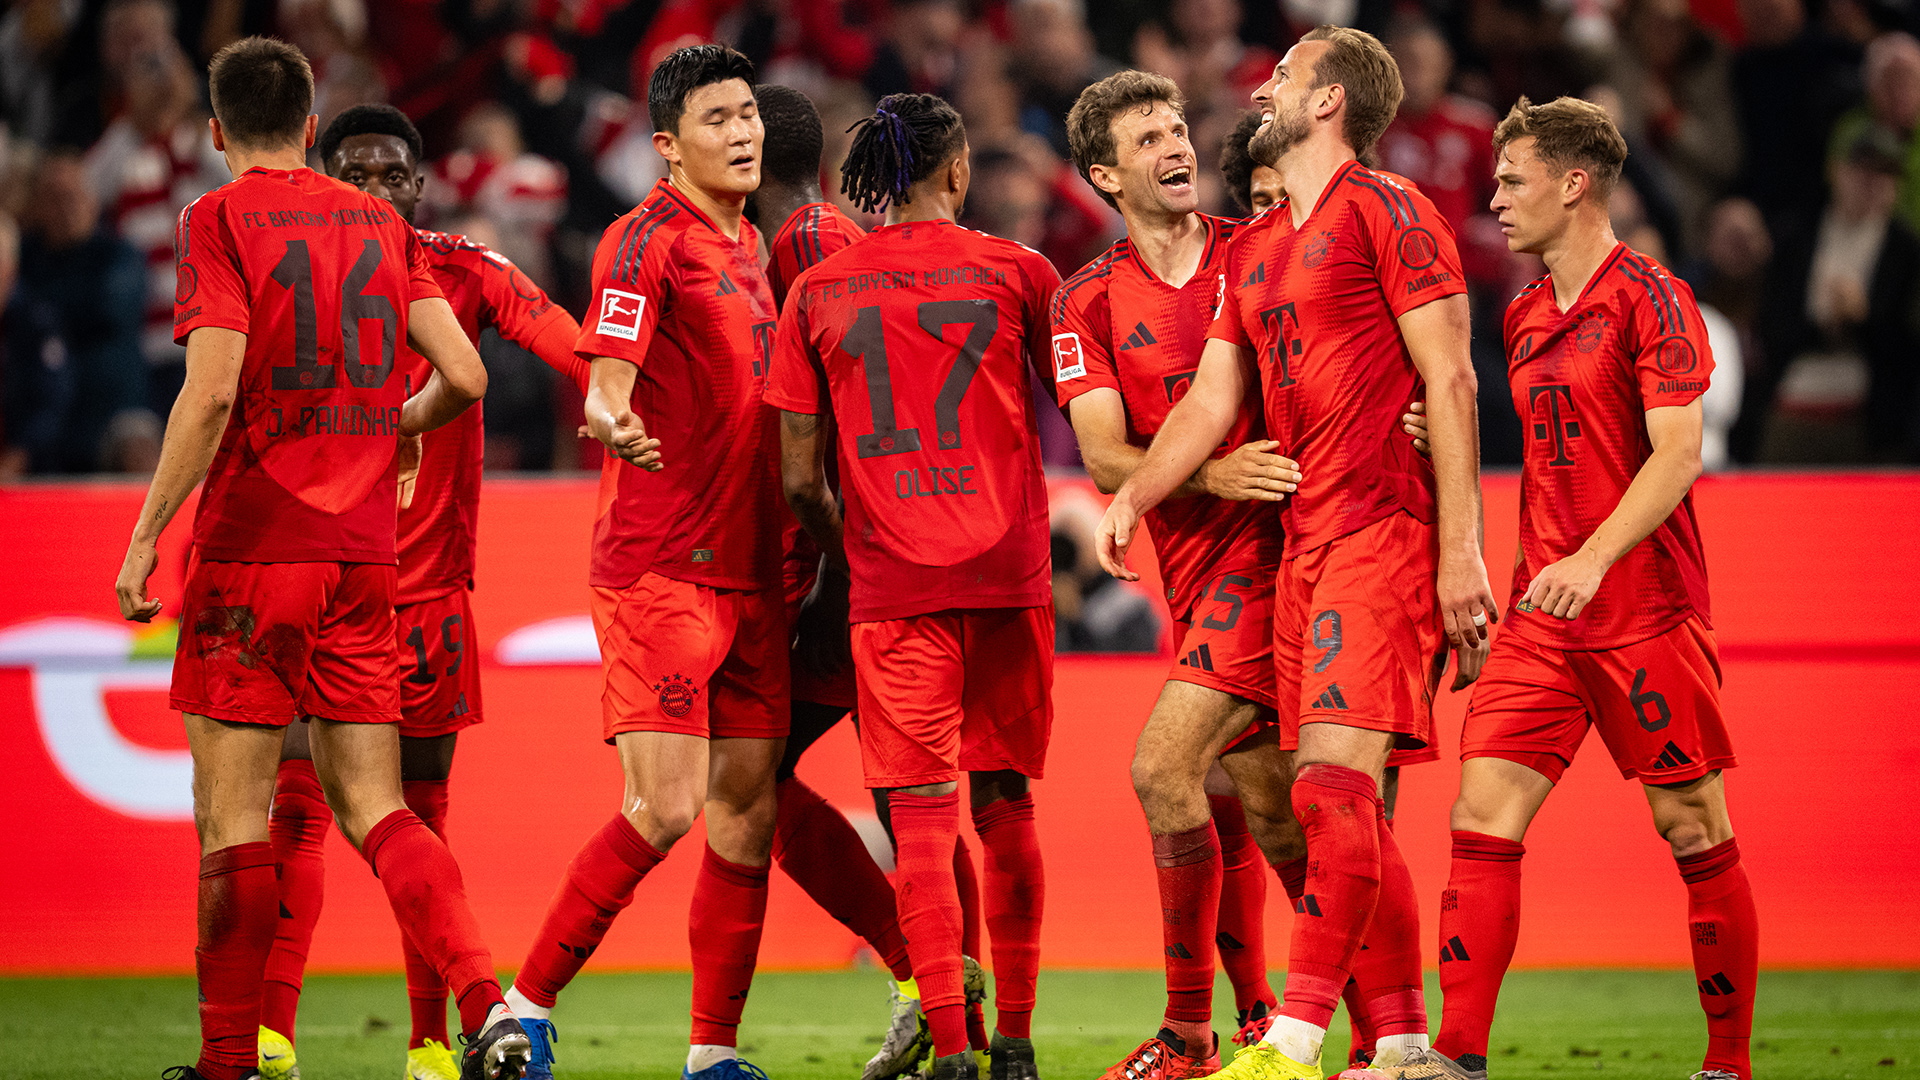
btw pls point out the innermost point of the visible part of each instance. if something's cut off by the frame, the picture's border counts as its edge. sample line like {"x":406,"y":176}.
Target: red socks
{"x":1726,"y":951}
{"x":430,"y":901}
{"x":1015,"y":893}
{"x":818,"y":848}
{"x":238,"y":906}
{"x":968,"y":882}
{"x":1338,"y":808}
{"x":426,"y":992}
{"x":729,"y":910}
{"x":599,"y":884}
{"x":1187,"y":865}
{"x":1386,"y":972}
{"x":1479,"y":925}
{"x":299,"y":833}
{"x":925,"y":828}
{"x":1242,"y":936}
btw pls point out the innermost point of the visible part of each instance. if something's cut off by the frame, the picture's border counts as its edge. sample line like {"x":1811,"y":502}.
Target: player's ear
{"x":1103,"y":179}
{"x":1332,"y":96}
{"x":1575,"y":186}
{"x":219,"y":136}
{"x":667,"y":146}
{"x":313,"y":129}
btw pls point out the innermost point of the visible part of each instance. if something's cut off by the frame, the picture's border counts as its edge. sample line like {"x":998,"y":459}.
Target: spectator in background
{"x":75,"y":384}
{"x":1730,"y":281}
{"x":157,"y":157}
{"x":493,"y":176}
{"x":1891,"y":72}
{"x":13,"y":462}
{"x":1676,"y":99}
{"x":1444,"y":142}
{"x":1198,"y":46}
{"x":1053,"y":59}
{"x":1093,"y":611}
{"x":33,"y":38}
{"x":1845,"y":325}
{"x":1791,"y":81}
{"x":1251,"y":186}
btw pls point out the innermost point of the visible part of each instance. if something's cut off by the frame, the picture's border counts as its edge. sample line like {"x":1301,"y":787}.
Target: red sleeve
{"x":1413,"y":249}
{"x":1226,"y":310}
{"x":626,"y":299}
{"x":1082,"y":340}
{"x":1672,"y":361}
{"x":209,"y":289}
{"x":421,"y":284}
{"x":524,"y":315}
{"x":796,"y":382}
{"x":1042,"y":281}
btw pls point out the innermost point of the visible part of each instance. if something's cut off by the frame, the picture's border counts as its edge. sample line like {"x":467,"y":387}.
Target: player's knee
{"x":665,"y":819}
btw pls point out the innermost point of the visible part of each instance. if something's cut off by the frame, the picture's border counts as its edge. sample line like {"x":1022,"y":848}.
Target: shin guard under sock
{"x":1338,"y":809}
{"x":728,"y":913}
{"x":819,"y":849}
{"x":599,"y":885}
{"x":426,"y":991}
{"x":1725,"y":930}
{"x":1479,"y":926}
{"x":1386,"y":972}
{"x":298,"y":830}
{"x":925,"y":828}
{"x":1241,"y":932}
{"x":237,"y":909}
{"x":1187,"y":868}
{"x":967,"y":879}
{"x":429,"y":900}
{"x":1014,"y":891}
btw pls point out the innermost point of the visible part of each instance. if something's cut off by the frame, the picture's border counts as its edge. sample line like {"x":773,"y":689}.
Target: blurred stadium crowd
{"x":1774,"y":165}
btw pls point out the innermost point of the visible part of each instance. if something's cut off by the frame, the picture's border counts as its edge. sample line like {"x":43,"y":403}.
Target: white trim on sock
{"x":706,"y":1056}
{"x":524,"y":1009}
{"x":1390,"y":1050}
{"x":1296,"y":1038}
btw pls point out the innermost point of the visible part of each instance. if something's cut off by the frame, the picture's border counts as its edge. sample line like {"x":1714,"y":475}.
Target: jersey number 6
{"x":868,"y":341}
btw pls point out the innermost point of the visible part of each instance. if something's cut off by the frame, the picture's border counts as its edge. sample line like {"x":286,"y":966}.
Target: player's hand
{"x":1468,"y":662}
{"x":410,"y":451}
{"x":1466,"y":600}
{"x":822,"y":630}
{"x":624,"y":434}
{"x":1564,"y":588}
{"x":1414,"y":423}
{"x":132,"y":585}
{"x":1115,"y":536}
{"x":1252,"y":472}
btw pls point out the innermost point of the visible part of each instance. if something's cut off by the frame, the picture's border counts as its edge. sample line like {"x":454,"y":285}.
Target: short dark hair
{"x":686,"y":70}
{"x":370,"y":120}
{"x":1236,"y":165}
{"x":1568,"y":134}
{"x":791,"y":152}
{"x":262,"y":91}
{"x":902,"y":143}
{"x":1090,"y":121}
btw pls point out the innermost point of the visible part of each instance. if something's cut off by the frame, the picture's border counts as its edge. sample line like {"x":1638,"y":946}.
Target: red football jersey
{"x":1583,"y":381}
{"x":318,"y":276}
{"x":922,"y":341}
{"x":1117,"y":325}
{"x":810,"y":234}
{"x":1448,"y":151}
{"x":437,"y":532}
{"x":1319,"y":305}
{"x":690,"y":307}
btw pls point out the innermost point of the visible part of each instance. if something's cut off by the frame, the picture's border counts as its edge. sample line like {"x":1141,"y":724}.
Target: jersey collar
{"x":749,"y":237}
{"x":1206,"y":255}
{"x":1606,"y":264}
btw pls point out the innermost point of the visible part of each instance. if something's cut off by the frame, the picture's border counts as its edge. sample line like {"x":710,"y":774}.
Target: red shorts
{"x":954,"y":691}
{"x":838,"y":690}
{"x":685,"y":658}
{"x":439,"y":675}
{"x":269,"y":643}
{"x":1357,"y":638}
{"x":1656,"y":704}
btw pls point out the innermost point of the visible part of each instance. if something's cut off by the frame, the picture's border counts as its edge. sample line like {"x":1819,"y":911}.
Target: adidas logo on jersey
{"x":1259,"y":274}
{"x":1140,"y":336}
{"x":1331,"y":698}
{"x":727,"y":287}
{"x":1672,"y":757}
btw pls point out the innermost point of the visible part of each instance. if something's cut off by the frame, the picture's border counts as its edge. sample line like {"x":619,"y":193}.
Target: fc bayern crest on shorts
{"x":676,"y":695}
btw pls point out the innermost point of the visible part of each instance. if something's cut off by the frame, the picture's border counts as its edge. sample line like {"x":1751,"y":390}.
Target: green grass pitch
{"x":824,"y":1025}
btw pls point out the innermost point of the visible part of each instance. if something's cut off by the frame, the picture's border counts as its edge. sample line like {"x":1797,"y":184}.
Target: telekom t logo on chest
{"x":1553,"y":419}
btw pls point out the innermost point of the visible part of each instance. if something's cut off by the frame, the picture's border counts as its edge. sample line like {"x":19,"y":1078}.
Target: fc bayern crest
{"x":1675,"y":356}
{"x":1317,"y":249}
{"x":1593,"y":327}
{"x":1418,"y":249}
{"x":676,"y":695}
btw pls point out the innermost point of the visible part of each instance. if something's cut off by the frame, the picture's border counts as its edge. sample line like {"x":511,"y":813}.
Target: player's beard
{"x":1283,"y":133}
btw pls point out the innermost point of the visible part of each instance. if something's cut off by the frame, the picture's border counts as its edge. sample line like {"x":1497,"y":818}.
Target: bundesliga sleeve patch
{"x":620,"y":314}
{"x":1068,"y":363}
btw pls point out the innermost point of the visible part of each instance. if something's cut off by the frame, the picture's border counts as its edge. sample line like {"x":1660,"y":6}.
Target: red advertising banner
{"x":1812,"y":595}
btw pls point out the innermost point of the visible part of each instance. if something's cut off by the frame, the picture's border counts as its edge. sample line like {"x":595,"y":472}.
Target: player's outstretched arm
{"x":1437,"y":337}
{"x":610,"y":415}
{"x":1252,"y":471}
{"x":459,"y":379}
{"x":1195,"y":426}
{"x":199,"y":418}
{"x":1563,"y":588}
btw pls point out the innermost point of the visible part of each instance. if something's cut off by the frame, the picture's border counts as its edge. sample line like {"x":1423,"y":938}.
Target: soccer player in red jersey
{"x":686,"y":556}
{"x":1348,"y":302}
{"x":1609,"y":623}
{"x":376,"y":149}
{"x":1127,"y":331}
{"x":920,"y":341}
{"x":813,"y":842}
{"x":294,"y":291}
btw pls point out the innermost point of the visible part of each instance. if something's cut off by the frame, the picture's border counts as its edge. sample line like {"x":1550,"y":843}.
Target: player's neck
{"x":1170,"y":244}
{"x":777,"y":202}
{"x":724,"y":209}
{"x":927,"y":205}
{"x":284,"y":158}
{"x":1309,"y":168}
{"x":1577,"y":255}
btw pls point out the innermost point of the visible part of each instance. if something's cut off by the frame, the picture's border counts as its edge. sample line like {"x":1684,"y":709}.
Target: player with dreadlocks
{"x":812,"y":841}
{"x":920,"y":341}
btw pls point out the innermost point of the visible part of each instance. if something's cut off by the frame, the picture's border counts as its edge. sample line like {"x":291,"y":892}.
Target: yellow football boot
{"x":276,"y":1057}
{"x":433,"y":1061}
{"x":1264,"y":1061}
